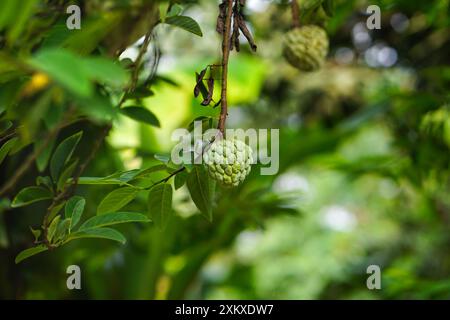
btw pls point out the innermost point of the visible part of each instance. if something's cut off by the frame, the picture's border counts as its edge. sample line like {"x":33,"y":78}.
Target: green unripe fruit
{"x":305,"y":48}
{"x":228,"y":161}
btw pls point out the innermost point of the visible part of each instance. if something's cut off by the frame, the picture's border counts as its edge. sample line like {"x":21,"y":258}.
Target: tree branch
{"x":164,"y":180}
{"x":225,"y":57}
{"x":145,"y":44}
{"x":295,"y":14}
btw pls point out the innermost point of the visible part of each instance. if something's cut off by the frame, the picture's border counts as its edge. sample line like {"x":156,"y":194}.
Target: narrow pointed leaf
{"x":29,"y":195}
{"x":30,"y":252}
{"x":108,"y":219}
{"x":6,"y":148}
{"x":160,"y":204}
{"x":52,"y":228}
{"x":117,"y":199}
{"x":62,"y":154}
{"x":199,"y":187}
{"x":141,"y":114}
{"x":74,"y":209}
{"x":102,"y":233}
{"x":186,"y":23}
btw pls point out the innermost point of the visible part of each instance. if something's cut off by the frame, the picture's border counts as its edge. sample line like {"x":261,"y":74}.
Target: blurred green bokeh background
{"x":363,"y":179}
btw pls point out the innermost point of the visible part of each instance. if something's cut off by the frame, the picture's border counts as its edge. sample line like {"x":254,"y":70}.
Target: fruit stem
{"x":295,"y":14}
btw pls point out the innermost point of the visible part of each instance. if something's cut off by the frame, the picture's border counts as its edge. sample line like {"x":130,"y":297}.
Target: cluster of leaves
{"x":67,"y":80}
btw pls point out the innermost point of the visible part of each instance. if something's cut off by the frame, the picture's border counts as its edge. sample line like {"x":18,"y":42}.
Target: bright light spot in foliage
{"x":130,"y":53}
{"x":258,"y":5}
{"x":338,"y":218}
{"x":361,"y":36}
{"x":399,"y":22}
{"x":344,"y":55}
{"x":247,"y":243}
{"x":387,"y":57}
{"x":380,"y":56}
{"x":291,"y":182}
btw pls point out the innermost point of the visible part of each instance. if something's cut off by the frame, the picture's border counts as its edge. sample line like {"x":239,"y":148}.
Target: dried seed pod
{"x":246,"y":32}
{"x":207,"y":100}
{"x":220,"y":27}
{"x":199,"y":86}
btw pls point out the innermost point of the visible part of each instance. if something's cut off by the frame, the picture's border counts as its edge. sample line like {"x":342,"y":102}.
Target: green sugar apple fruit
{"x":306,"y":47}
{"x":228,"y":161}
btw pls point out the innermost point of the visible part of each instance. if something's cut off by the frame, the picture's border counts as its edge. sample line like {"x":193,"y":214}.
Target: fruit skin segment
{"x":306,"y":48}
{"x":228,"y":161}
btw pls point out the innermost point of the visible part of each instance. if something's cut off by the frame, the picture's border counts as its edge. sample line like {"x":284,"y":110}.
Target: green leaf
{"x":163,"y":9}
{"x":117,"y":199}
{"x":5,"y":125}
{"x":175,"y":10}
{"x":105,"y":71}
{"x":141,"y":114}
{"x":204,"y":123}
{"x":93,"y":31}
{"x":30,"y":252}
{"x":62,"y":229}
{"x":30,"y":195}
{"x":6,"y":148}
{"x":44,"y":181}
{"x":309,"y":5}
{"x":98,"y":108}
{"x":65,"y":68}
{"x":36,"y":233}
{"x":108,"y":219}
{"x":52,"y":228}
{"x":128,"y":175}
{"x":99,"y":181}
{"x":66,"y":174}
{"x":328,"y":7}
{"x":198,"y":183}
{"x":103,"y":233}
{"x":62,"y":154}
{"x":162,"y":157}
{"x":148,"y":171}
{"x":74,"y":209}
{"x":186,"y":23}
{"x":43,"y":158}
{"x":140,"y":93}
{"x":22,"y":18}
{"x":180,"y":179}
{"x":160,"y":204}
{"x":56,"y":210}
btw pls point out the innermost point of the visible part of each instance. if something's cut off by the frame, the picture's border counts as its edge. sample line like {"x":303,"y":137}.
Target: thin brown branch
{"x":295,"y":14}
{"x":225,"y":57}
{"x":142,"y":51}
{"x":164,"y":180}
